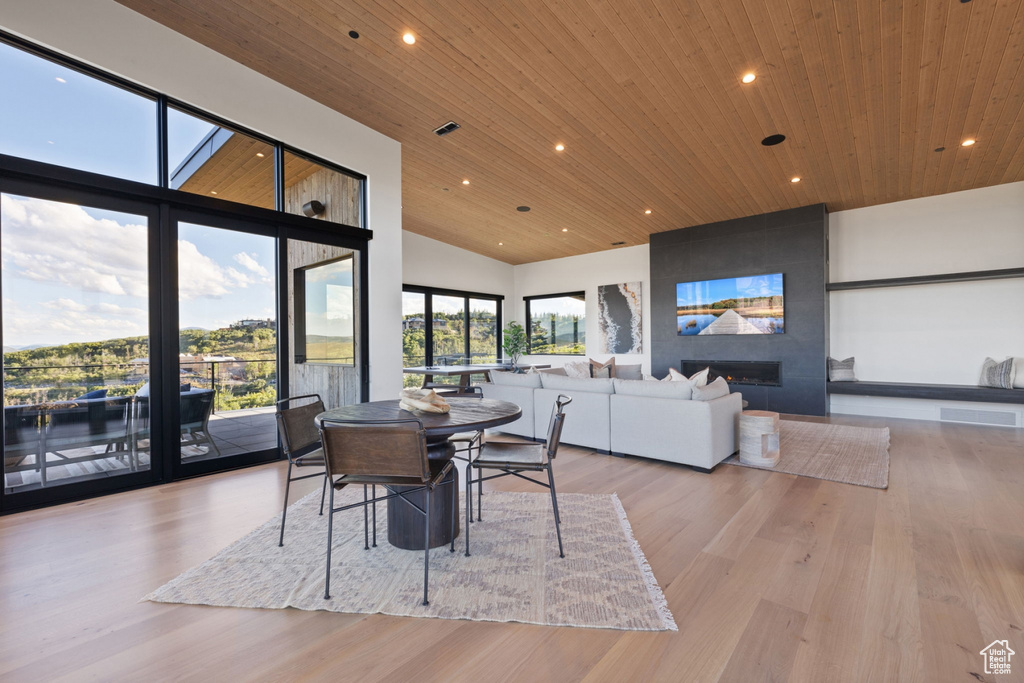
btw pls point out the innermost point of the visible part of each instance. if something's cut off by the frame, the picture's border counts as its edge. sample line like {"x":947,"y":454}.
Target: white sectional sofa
{"x":630,"y":417}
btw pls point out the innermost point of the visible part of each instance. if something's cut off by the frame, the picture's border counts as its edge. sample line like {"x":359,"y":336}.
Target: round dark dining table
{"x":405,"y":525}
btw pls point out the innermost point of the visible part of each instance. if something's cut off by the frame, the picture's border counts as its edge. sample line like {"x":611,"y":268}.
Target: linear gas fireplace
{"x":749,"y":372}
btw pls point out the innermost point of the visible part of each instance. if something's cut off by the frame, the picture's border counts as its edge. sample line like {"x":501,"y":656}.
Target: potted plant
{"x":513,"y":341}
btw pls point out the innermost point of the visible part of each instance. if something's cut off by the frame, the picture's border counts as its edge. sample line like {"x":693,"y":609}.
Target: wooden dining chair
{"x":386,"y":453}
{"x":301,"y":442}
{"x":516,"y":458}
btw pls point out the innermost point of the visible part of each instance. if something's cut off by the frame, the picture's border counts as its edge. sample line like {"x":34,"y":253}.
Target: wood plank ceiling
{"x":647,"y":99}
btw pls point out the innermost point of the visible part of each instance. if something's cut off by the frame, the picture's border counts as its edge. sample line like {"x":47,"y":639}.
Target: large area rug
{"x":513,"y":574}
{"x":851,"y":455}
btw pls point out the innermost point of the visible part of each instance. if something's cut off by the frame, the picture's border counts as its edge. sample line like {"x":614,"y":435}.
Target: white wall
{"x":431,"y":263}
{"x":118,"y":40}
{"x":587,"y":273}
{"x":937,"y":333}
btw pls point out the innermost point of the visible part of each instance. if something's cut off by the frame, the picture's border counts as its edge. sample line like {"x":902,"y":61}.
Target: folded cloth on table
{"x":423,"y":400}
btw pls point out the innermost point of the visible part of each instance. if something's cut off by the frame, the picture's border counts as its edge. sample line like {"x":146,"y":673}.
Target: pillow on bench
{"x":998,"y":375}
{"x":841,"y":370}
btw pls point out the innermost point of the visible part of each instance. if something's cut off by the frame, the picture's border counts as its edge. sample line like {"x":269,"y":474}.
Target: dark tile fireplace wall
{"x":792,"y":242}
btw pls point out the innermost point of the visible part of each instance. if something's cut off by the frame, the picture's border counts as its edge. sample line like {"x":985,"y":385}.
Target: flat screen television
{"x":735,"y":305}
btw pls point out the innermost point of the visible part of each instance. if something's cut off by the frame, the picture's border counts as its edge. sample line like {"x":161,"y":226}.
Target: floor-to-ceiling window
{"x":449,"y":327}
{"x":150,"y":253}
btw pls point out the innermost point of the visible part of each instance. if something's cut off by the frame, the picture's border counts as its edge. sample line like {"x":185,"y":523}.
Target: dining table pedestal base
{"x":406,"y":524}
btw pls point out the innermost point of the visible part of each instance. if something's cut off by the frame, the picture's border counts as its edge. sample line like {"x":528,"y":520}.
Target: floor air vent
{"x":987,"y":417}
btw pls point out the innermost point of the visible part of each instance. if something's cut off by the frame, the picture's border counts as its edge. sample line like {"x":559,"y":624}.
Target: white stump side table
{"x":759,"y":438}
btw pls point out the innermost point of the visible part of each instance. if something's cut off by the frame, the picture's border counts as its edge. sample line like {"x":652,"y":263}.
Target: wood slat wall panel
{"x":645,"y":95}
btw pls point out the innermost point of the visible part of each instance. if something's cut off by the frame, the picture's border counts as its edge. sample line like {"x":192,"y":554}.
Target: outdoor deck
{"x":233,"y":432}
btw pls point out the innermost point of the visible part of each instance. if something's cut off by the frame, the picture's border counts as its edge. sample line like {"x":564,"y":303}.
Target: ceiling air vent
{"x":449,"y":127}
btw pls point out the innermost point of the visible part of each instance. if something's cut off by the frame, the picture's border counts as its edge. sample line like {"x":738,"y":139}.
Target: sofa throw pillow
{"x":1018,"y":373}
{"x":553,"y":371}
{"x":841,"y":370}
{"x":512,"y":379}
{"x":578,"y":369}
{"x":577,"y":384}
{"x":629,"y":372}
{"x":716,"y":389}
{"x":602,"y":370}
{"x":638,"y":387}
{"x":697,"y":379}
{"x":998,"y":375}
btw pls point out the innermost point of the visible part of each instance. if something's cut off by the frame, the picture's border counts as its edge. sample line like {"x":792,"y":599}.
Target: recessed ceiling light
{"x":968,"y":142}
{"x":940,"y":149}
{"x":446,"y":189}
{"x":60,"y":80}
{"x":501,"y":244}
{"x":617,"y":244}
{"x":49,"y":142}
{"x":748,"y":78}
{"x":213,"y":191}
{"x":565,"y":229}
{"x":409,"y":39}
{"x":353,"y":34}
{"x":465,"y":182}
{"x":647,"y":212}
{"x":259,"y":154}
{"x":795,"y":179}
{"x":773,"y":139}
{"x":524,"y":209}
{"x":559,"y":147}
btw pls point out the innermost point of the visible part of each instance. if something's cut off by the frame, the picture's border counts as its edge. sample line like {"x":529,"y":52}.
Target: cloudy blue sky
{"x":70,"y":273}
{"x":74,"y":273}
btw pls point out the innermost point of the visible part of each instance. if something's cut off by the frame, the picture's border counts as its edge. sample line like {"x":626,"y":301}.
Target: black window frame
{"x":299,"y":356}
{"x":164,"y":206}
{"x":428,"y":317}
{"x":162,"y":103}
{"x":529,"y":321}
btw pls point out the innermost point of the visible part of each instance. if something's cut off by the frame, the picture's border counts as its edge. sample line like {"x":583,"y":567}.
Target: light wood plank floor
{"x":770,"y":577}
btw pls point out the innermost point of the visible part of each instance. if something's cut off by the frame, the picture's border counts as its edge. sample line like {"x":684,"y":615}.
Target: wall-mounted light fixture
{"x":313,"y":208}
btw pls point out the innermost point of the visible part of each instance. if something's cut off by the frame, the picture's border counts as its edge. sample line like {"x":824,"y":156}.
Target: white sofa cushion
{"x":587,"y":421}
{"x":512,"y":379}
{"x":698,"y":433}
{"x":571,"y":384}
{"x":522,"y":397}
{"x":629,"y":372}
{"x":716,"y":389}
{"x":639,"y":387}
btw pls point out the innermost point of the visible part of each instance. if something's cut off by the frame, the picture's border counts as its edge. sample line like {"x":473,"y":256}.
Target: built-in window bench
{"x":937,"y":392}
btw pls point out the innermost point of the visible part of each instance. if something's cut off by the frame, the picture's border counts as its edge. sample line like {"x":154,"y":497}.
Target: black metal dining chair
{"x":516,"y":458}
{"x":388,"y":453}
{"x":301,"y":441}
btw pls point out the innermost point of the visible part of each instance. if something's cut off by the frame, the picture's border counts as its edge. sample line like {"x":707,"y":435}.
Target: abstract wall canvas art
{"x":620,"y":318}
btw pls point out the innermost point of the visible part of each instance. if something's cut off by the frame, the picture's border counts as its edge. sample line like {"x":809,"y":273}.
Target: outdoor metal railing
{"x":42,"y":383}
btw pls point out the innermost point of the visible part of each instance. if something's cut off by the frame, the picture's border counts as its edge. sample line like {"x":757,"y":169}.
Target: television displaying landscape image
{"x":739,"y":305}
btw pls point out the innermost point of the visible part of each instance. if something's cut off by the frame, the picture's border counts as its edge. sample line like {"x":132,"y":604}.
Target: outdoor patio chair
{"x":196,"y":408}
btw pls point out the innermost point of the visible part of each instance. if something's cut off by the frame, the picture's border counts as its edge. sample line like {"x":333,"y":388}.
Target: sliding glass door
{"x":227,"y":343}
{"x":76,"y":328}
